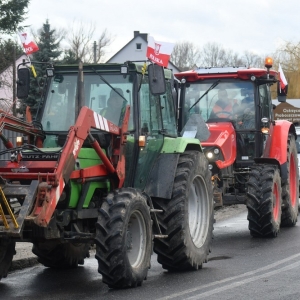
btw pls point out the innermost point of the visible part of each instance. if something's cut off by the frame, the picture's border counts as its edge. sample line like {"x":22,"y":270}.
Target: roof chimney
{"x":136,"y":33}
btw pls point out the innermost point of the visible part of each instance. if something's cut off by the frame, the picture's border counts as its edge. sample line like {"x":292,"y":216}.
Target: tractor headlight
{"x":212,"y":153}
{"x":209,"y":155}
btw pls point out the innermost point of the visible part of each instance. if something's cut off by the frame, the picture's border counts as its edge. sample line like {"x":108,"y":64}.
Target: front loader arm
{"x":78,"y":133}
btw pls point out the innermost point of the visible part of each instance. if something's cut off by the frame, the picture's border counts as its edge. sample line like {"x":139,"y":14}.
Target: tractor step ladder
{"x":12,"y":224}
{"x":2,"y":215}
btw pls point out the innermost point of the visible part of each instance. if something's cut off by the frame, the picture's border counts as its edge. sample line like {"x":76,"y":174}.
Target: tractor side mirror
{"x":23,"y":83}
{"x":156,"y":79}
{"x":281,"y":93}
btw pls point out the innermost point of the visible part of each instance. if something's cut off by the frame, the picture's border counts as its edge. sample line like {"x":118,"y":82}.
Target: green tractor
{"x":102,"y":164}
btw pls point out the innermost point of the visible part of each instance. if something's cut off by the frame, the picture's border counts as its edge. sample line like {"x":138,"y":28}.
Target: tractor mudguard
{"x":223,"y":136}
{"x":276,"y":146}
{"x":161,"y":179}
{"x":180,"y":144}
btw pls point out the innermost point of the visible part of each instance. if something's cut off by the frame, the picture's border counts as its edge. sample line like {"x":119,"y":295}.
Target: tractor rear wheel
{"x":124,"y":239}
{"x":290,"y":189}
{"x":60,"y":255}
{"x":7,"y":251}
{"x":187,"y":217}
{"x":264,"y":200}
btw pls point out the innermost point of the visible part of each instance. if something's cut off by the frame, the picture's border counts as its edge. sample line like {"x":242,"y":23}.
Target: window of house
{"x":138,"y":46}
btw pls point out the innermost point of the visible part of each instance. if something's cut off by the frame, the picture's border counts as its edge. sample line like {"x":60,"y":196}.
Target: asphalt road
{"x":239,"y":267}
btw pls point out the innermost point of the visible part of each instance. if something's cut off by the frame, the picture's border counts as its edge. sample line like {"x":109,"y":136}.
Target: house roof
{"x":136,"y":34}
{"x":144,"y":36}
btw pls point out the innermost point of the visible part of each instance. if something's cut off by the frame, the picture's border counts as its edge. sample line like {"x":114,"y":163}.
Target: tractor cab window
{"x":168,"y":112}
{"x":265,"y":102}
{"x":107,"y":100}
{"x":150,"y":111}
{"x":219,"y":101}
{"x":59,"y":111}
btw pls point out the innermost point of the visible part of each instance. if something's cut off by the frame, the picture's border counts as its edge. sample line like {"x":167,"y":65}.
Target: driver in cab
{"x":223,"y":108}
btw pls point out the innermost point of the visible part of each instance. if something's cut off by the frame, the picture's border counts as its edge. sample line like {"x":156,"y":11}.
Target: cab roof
{"x":224,"y":72}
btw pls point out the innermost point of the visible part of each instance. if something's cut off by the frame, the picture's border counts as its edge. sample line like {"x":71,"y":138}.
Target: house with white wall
{"x":6,"y":85}
{"x":135,"y":50}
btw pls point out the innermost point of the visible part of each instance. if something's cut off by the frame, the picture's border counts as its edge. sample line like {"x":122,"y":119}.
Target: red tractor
{"x":252,"y":158}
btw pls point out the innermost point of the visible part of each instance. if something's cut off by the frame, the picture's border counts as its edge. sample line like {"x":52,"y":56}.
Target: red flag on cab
{"x":159,"y":52}
{"x":28,"y":43}
{"x":282,"y":79}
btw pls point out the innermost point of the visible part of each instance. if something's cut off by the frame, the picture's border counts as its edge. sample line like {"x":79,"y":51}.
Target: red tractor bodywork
{"x":223,"y":136}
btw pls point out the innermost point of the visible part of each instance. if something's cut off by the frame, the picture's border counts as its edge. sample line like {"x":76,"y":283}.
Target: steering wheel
{"x":223,"y":112}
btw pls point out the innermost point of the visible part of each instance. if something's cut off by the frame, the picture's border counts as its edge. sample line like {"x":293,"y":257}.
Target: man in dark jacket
{"x":114,"y":106}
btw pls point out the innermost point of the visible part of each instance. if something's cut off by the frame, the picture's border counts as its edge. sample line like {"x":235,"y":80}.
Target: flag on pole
{"x":28,"y":43}
{"x":159,"y":52}
{"x":282,"y":79}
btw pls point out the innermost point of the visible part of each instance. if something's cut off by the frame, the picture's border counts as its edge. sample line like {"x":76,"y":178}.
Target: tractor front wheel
{"x":264,"y":200}
{"x":7,"y":251}
{"x":124,"y":239}
{"x":187,"y":218}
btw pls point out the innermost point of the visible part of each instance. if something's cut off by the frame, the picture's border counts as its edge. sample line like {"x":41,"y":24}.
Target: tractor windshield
{"x":226,"y":100}
{"x":109,"y":100}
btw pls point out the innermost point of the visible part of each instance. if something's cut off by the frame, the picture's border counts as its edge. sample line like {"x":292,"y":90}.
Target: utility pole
{"x":95,"y":51}
{"x":14,"y":106}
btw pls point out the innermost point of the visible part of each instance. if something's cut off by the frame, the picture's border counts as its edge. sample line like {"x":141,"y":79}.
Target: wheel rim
{"x":198,"y":209}
{"x":293,"y":184}
{"x":136,"y":239}
{"x":276,"y":202}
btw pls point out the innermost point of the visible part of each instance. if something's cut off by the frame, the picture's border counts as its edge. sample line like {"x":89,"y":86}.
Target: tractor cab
{"x":235,"y":103}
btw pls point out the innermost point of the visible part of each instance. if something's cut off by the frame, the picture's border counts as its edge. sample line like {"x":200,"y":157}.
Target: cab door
{"x":151,"y":128}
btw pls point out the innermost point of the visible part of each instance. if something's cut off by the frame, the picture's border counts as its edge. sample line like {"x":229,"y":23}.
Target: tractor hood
{"x":222,"y":136}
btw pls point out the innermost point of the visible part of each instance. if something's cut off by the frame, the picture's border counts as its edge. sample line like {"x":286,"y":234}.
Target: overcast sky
{"x":255,"y":25}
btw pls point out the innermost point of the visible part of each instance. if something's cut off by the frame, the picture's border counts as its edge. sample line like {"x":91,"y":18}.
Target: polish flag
{"x":159,"y":52}
{"x":282,"y":79}
{"x":29,"y":44}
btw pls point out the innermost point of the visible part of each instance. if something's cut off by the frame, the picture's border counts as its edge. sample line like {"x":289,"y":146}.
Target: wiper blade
{"x":105,"y":81}
{"x":209,"y":89}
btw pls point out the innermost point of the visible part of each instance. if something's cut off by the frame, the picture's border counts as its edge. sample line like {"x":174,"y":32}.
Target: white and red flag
{"x":282,"y":79}
{"x":159,"y":52}
{"x":28,"y":43}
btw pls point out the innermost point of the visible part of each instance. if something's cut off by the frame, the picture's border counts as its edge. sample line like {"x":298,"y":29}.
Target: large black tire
{"x":124,"y":239}
{"x":187,"y":217}
{"x":7,"y":251}
{"x":264,"y":200}
{"x":61,"y":255}
{"x":290,"y":189}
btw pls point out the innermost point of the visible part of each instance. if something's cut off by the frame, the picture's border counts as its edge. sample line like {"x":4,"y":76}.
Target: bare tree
{"x":253,"y":60}
{"x":288,"y":56}
{"x":185,"y":55}
{"x":81,"y":42}
{"x":215,"y":55}
{"x":6,"y":84}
